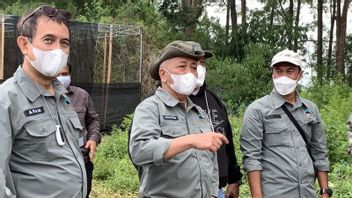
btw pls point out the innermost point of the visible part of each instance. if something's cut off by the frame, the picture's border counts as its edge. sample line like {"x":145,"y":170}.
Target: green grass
{"x":115,"y":176}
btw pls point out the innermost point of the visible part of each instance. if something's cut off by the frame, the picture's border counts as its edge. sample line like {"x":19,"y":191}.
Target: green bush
{"x":114,"y":170}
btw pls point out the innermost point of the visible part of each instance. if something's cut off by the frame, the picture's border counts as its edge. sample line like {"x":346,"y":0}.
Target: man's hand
{"x":209,"y":141}
{"x":202,"y":141}
{"x":232,"y":190}
{"x":91,"y":146}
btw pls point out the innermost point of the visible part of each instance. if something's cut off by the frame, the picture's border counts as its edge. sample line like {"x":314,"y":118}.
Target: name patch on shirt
{"x":34,"y":111}
{"x":273,"y":116}
{"x":170,"y":117}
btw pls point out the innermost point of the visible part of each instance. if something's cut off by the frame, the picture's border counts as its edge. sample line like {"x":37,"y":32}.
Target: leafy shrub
{"x":240,"y":83}
{"x":114,"y":171}
{"x":113,"y":168}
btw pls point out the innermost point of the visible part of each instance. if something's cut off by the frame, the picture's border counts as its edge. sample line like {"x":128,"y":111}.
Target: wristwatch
{"x":327,"y":191}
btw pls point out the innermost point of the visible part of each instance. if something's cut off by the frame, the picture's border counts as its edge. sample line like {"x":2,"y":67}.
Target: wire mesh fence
{"x":106,"y":61}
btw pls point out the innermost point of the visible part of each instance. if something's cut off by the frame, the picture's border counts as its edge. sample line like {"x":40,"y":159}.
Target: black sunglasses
{"x":48,"y":11}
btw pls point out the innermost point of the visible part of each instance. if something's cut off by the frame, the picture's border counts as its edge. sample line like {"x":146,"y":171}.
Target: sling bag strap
{"x":294,"y":121}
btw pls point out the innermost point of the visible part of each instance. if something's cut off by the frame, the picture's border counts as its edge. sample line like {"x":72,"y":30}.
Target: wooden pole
{"x":106,"y":101}
{"x":110,"y":56}
{"x":2,"y":58}
{"x":104,"y":61}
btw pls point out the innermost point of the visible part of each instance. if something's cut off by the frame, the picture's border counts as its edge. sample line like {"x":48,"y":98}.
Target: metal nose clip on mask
{"x":60,"y":139}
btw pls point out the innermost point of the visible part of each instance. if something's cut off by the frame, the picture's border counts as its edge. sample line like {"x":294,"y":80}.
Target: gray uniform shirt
{"x":192,"y":173}
{"x":272,"y":144}
{"x":33,"y":163}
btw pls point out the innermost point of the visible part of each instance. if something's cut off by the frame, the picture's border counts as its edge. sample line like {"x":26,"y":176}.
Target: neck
{"x":179,"y":97}
{"x":290,"y":98}
{"x":37,"y":77}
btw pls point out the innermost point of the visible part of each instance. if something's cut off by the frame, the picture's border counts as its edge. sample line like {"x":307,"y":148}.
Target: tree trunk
{"x":234,"y":25}
{"x":341,"y":19}
{"x":320,"y":42}
{"x":289,"y":22}
{"x":295,"y":34}
{"x":192,"y":9}
{"x":227,"y":27}
{"x":331,"y":39}
{"x":233,"y":16}
{"x":244,"y":12}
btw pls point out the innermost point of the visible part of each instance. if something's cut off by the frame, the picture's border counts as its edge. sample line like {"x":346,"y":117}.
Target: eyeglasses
{"x":48,"y":11}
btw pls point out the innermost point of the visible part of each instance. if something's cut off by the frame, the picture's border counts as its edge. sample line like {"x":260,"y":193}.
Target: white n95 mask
{"x":183,"y":84}
{"x":48,"y":63}
{"x":284,"y":85}
{"x":201,"y":70}
{"x":65,"y":80}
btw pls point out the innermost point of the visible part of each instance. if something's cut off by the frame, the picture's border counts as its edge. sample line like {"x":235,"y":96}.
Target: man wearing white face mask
{"x":39,"y":151}
{"x":89,"y":136}
{"x":171,"y":141}
{"x":229,"y":171}
{"x":283,"y":138}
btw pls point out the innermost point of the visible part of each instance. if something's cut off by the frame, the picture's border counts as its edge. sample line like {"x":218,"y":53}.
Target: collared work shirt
{"x":34,"y":164}
{"x":83,"y":105}
{"x":192,"y":173}
{"x":272,"y":144}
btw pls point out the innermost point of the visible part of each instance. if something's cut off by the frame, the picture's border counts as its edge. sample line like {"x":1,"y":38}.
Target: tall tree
{"x":182,"y":15}
{"x":233,"y":16}
{"x":295,"y":33}
{"x":341,"y":23}
{"x":331,"y":38}
{"x":192,"y":10}
{"x":320,"y":41}
{"x":244,"y":12}
{"x":227,"y":26}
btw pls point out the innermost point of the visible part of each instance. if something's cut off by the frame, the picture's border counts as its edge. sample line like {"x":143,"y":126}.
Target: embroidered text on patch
{"x":34,"y":111}
{"x":170,"y":117}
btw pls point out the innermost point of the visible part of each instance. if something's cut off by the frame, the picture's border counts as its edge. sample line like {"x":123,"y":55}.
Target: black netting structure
{"x":106,"y":61}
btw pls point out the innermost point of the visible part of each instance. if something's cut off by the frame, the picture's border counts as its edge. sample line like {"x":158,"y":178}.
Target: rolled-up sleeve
{"x":6,"y":146}
{"x":251,"y":140}
{"x":146,"y":144}
{"x":318,"y":144}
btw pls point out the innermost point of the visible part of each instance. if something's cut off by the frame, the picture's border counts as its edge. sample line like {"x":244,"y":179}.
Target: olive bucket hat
{"x":175,"y":49}
{"x":207,"y":53}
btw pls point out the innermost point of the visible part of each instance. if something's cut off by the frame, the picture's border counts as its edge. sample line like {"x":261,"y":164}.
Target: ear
{"x":301,"y":73}
{"x":22,"y":43}
{"x":162,"y":75}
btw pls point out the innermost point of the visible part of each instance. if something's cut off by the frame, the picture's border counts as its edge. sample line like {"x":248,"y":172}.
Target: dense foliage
{"x":239,"y":71}
{"x":115,"y":172}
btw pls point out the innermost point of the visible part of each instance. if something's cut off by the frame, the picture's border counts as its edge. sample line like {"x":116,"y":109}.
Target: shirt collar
{"x":169,"y":100}
{"x":30,"y":89}
{"x":278,"y":100}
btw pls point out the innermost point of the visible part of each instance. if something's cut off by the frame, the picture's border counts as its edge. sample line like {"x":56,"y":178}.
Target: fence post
{"x":2,"y":49}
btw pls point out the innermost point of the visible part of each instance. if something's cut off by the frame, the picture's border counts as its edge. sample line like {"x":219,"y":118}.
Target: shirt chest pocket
{"x":277,"y":133}
{"x":76,"y":124}
{"x":173,"y":129}
{"x":40,"y":142}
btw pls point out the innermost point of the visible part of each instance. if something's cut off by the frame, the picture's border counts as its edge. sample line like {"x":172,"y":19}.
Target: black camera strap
{"x":294,"y":121}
